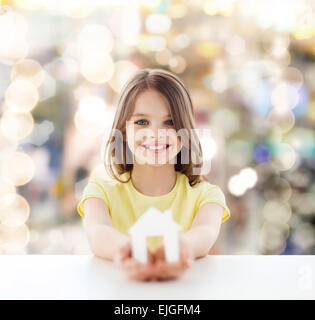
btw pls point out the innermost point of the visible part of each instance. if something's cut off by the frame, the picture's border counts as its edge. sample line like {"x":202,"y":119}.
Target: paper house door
{"x":153,"y":223}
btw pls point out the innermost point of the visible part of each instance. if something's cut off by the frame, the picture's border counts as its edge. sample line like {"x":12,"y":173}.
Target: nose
{"x":157,"y":133}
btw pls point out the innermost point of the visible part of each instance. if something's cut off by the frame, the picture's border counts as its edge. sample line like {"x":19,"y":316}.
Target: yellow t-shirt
{"x":126,"y":204}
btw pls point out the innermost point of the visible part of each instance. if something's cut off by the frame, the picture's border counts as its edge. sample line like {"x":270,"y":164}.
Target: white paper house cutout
{"x":154,"y":223}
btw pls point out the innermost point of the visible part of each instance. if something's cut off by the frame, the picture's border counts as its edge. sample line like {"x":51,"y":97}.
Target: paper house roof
{"x":154,"y":223}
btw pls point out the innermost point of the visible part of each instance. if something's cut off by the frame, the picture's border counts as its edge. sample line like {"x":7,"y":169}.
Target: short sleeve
{"x":94,"y":189}
{"x":213,"y":193}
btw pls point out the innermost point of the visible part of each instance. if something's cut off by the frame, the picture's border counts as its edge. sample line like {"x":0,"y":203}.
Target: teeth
{"x":160,"y":147}
{"x":156,"y":148}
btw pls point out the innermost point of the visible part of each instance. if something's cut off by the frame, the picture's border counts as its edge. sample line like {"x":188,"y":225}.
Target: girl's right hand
{"x":135,"y":270}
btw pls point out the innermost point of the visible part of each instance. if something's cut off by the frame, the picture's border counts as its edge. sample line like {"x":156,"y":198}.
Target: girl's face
{"x":150,"y":131}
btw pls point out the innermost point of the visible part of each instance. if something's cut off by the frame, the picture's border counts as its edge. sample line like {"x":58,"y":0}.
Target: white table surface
{"x":213,"y":277}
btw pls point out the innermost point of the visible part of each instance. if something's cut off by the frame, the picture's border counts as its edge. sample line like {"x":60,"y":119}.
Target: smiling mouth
{"x":156,"y":148}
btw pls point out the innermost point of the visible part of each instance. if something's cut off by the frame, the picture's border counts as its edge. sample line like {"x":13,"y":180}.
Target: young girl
{"x":148,"y":170}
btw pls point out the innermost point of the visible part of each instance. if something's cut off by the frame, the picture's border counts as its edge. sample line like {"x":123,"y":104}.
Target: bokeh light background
{"x":249,"y":66}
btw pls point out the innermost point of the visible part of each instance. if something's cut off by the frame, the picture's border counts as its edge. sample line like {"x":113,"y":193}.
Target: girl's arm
{"x":103,"y":238}
{"x":205,"y":229}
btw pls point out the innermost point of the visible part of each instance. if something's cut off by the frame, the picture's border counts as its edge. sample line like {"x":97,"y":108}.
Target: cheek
{"x":134,"y":140}
{"x":139,"y":136}
{"x":175,"y":141}
{"x":130,"y":138}
{"x":131,"y":133}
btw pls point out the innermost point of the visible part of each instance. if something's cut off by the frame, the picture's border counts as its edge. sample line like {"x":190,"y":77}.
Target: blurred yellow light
{"x":12,"y":49}
{"x":280,"y":46}
{"x":279,"y":189}
{"x":48,"y":87}
{"x":7,"y":144}
{"x":87,"y":128}
{"x":239,"y":183}
{"x":77,"y":8}
{"x":16,"y":125}
{"x":304,"y":31}
{"x":304,"y":202}
{"x":180,"y":42}
{"x":14,"y":237}
{"x":284,"y":120}
{"x":235,"y":46}
{"x":28,"y":4}
{"x":97,"y":68}
{"x":284,"y":97}
{"x":293,"y":76}
{"x":93,"y":127}
{"x":163,"y":57}
{"x":211,"y":7}
{"x":95,"y":39}
{"x":158,"y":23}
{"x":123,"y":70}
{"x":177,"y":10}
{"x":214,"y":7}
{"x":28,"y":69}
{"x":236,"y":186}
{"x":249,"y":177}
{"x":16,"y":213}
{"x":92,"y":108}
{"x":21,"y":95}
{"x":18,"y":167}
{"x":272,"y":238}
{"x":7,"y":192}
{"x":300,"y":138}
{"x":90,"y":125}
{"x":151,"y":43}
{"x":81,"y":91}
{"x":14,"y":23}
{"x":150,"y":4}
{"x":209,"y":49}
{"x":285,"y":156}
{"x":278,"y":213}
{"x":13,"y":45}
{"x":177,"y":64}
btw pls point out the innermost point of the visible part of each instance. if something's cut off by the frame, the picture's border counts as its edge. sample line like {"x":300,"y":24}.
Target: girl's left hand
{"x":135,"y":270}
{"x":171,"y":270}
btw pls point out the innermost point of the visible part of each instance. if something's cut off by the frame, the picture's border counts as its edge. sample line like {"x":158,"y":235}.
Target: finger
{"x":144,"y":272}
{"x":130,"y":264}
{"x":160,"y":252}
{"x":168,"y":275}
{"x":134,"y":266}
{"x":126,"y":251}
{"x":117,"y":259}
{"x":140,"y":276}
{"x":187,"y":258}
{"x":186,"y":261}
{"x":151,"y":257}
{"x":135,"y":275}
{"x":170,"y":270}
{"x":164,"y":269}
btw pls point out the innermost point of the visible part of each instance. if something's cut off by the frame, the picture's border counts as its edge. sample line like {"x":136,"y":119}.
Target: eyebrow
{"x":146,"y":115}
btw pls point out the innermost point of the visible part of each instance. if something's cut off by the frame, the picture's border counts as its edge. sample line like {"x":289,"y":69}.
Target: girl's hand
{"x":171,"y":270}
{"x":135,"y":270}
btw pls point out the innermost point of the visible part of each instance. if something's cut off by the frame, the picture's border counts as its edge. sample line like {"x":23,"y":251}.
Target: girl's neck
{"x":153,"y":181}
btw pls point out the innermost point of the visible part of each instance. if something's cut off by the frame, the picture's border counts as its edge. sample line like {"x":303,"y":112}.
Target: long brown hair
{"x":183,"y":116}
